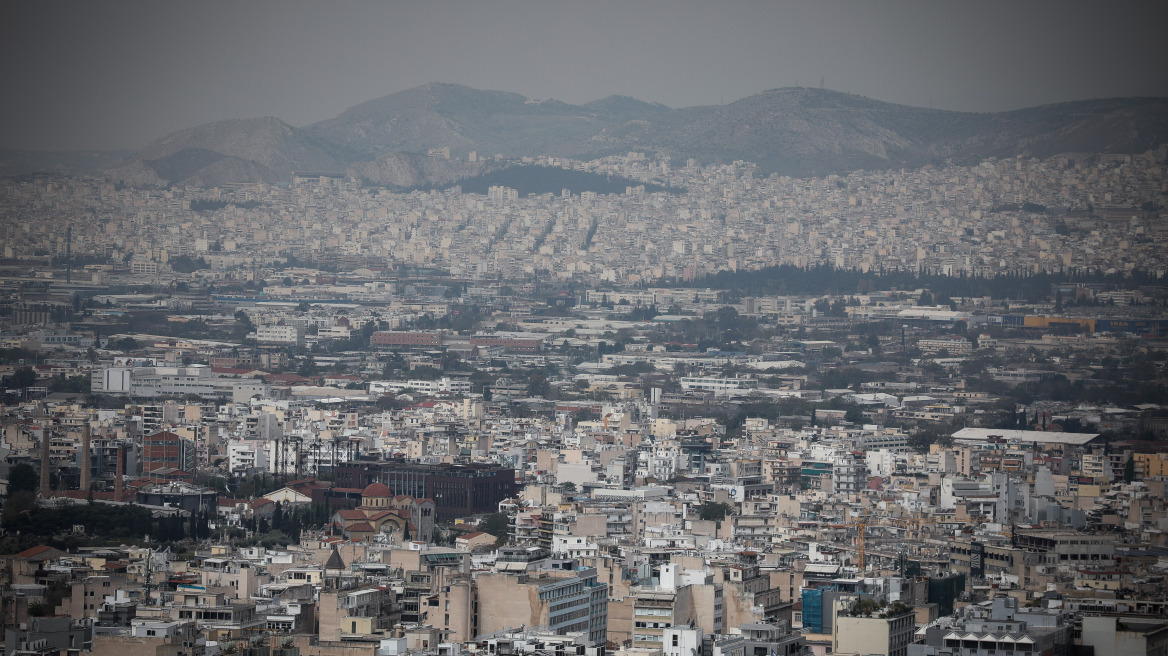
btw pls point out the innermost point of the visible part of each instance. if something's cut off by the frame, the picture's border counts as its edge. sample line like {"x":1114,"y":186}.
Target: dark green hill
{"x":548,"y":180}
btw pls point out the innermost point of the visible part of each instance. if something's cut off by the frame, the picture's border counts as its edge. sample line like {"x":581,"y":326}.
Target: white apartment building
{"x":155,"y":381}
{"x":333,"y":332}
{"x":280,"y":334}
{"x":849,"y":474}
{"x":953,"y":346}
{"x":173,"y":381}
{"x":574,"y":546}
{"x":442,"y":385}
{"x":719,"y":386}
{"x":246,"y":456}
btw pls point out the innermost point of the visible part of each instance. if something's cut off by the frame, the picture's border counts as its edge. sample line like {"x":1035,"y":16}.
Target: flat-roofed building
{"x":513,"y":342}
{"x":1004,"y":436}
{"x":457,"y":490}
{"x":405,"y":339}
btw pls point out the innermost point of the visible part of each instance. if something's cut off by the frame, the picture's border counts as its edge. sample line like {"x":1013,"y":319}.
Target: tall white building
{"x":280,"y":334}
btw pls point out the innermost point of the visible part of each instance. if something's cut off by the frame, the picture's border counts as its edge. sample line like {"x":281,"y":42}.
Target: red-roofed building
{"x":406,"y":516}
{"x":232,"y":511}
{"x":261,"y":507}
{"x":230,"y":372}
{"x":360,"y":531}
{"x":476,"y":540}
{"x":376,"y":495}
{"x":297,"y":492}
{"x":289,"y":380}
{"x":29,"y":565}
{"x":39,"y":551}
{"x":351,"y":514}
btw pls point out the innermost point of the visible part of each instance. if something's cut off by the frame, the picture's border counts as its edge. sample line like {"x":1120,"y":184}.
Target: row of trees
{"x":291,"y":521}
{"x":824,"y":280}
{"x":66,"y":526}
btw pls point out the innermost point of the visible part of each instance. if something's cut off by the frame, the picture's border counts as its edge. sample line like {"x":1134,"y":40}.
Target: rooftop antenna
{"x":149,"y":583}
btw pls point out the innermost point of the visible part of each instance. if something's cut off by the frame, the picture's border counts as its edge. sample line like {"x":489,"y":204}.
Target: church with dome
{"x":381,"y":511}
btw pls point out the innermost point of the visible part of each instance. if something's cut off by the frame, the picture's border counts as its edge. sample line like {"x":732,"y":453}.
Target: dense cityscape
{"x":354,"y":418}
{"x":1076,"y":212}
{"x":464,"y":371}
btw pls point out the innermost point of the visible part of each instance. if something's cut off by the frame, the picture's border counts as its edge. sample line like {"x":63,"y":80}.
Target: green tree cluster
{"x":713,"y":511}
{"x":498,"y":525}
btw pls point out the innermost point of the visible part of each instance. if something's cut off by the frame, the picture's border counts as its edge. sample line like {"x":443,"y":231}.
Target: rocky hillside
{"x":249,"y":150}
{"x":413,"y":170}
{"x":465,"y":119}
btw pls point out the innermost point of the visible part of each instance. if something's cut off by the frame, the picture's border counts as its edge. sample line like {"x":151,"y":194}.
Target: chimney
{"x":45,"y":461}
{"x":120,"y":471}
{"x":86,"y":462}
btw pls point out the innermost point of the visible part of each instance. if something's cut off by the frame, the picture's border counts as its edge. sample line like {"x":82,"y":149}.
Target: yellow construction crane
{"x":238,"y":644}
{"x":864,"y":521}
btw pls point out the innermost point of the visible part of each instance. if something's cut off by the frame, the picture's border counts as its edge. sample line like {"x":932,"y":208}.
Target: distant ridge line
{"x":794,"y":131}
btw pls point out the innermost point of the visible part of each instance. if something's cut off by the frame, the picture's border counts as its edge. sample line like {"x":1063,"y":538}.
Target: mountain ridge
{"x":798,"y":131}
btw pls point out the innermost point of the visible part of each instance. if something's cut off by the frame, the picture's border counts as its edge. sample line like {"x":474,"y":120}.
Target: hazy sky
{"x":116,"y":74}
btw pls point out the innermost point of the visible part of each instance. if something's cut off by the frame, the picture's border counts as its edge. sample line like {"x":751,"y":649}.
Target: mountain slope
{"x":249,"y":150}
{"x":413,"y":170}
{"x":805,"y":131}
{"x":796,"y":131}
{"x":463,"y":119}
{"x":792,"y":131}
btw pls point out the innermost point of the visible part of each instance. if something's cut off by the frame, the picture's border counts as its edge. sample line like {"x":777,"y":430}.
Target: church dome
{"x":376,"y":490}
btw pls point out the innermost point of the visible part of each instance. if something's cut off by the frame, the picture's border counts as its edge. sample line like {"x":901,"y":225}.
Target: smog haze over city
{"x":119,"y":75}
{"x":594,"y":328}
